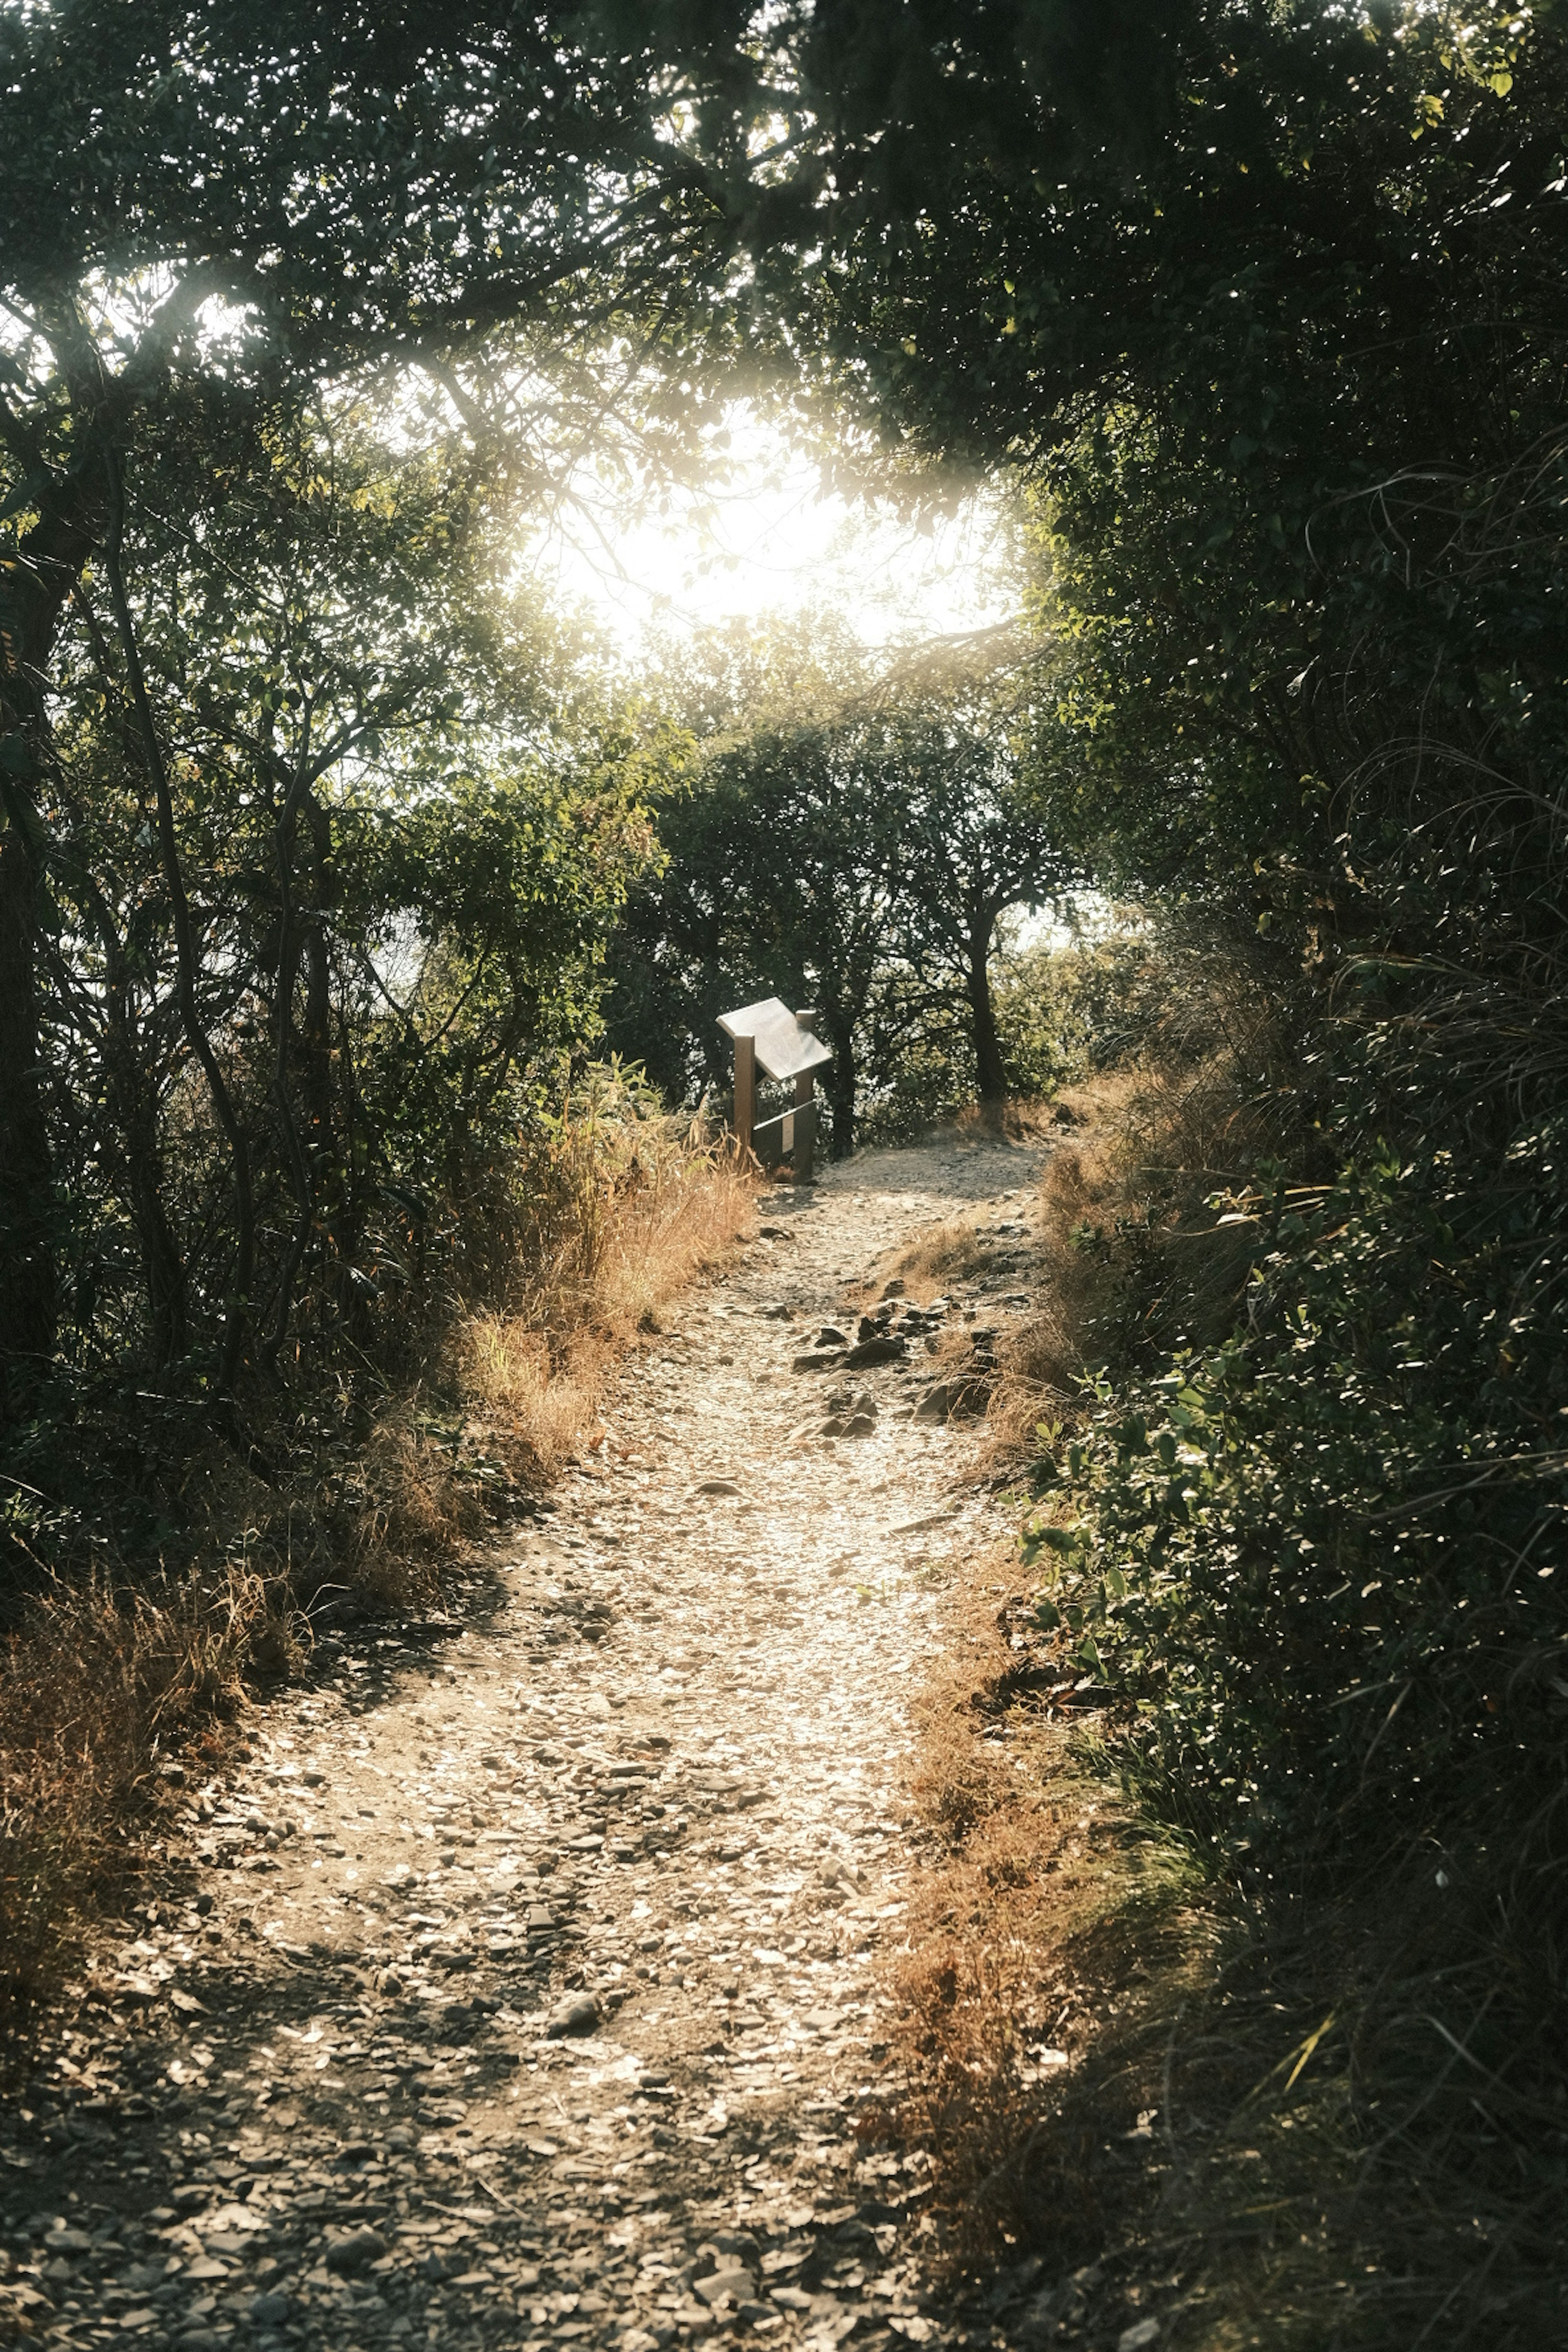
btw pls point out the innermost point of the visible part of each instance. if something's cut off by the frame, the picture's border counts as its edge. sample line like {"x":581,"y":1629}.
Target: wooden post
{"x":745,"y":1089}
{"x":805,"y":1094}
{"x":805,"y":1125}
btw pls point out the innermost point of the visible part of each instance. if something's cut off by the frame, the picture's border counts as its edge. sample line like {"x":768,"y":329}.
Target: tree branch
{"x":238,"y":1314}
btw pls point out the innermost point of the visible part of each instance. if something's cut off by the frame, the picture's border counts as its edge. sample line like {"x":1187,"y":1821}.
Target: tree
{"x":1205,"y":278}
{"x":721,"y":916}
{"x":402,"y":816}
{"x":857,"y":853}
{"x":773,"y":882}
{"x":206,"y":206}
{"x":969,"y":847}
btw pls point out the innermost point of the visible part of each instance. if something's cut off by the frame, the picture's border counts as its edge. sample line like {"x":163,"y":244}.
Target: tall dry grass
{"x":99,"y":1687}
{"x":1132,"y":1257}
{"x":1049,"y":1945}
{"x":942,"y":1255}
{"x":1152,"y":2093}
{"x":534,"y":1373}
{"x":106,"y":1680}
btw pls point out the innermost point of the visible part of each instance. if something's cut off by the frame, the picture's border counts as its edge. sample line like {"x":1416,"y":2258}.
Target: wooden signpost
{"x":769,"y":1037}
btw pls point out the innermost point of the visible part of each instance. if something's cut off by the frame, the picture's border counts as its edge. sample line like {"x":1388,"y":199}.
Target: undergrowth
{"x":1289,"y":1610}
{"x":1052,"y":1938}
{"x":159,"y":1566}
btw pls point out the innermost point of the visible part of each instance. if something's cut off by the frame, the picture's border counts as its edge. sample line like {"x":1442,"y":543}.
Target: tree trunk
{"x":28,"y":1295}
{"x":237,"y":1319}
{"x":133,"y":1103}
{"x":136,"y":1107}
{"x":328,"y":1142}
{"x":843,"y":1079}
{"x":316,"y":1037}
{"x":53,"y":550}
{"x":990,"y":1070}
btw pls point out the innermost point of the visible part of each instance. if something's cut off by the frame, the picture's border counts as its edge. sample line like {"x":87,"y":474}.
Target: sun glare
{"x":767,"y":540}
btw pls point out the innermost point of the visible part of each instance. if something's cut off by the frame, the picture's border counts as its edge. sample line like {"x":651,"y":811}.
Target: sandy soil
{"x":522,"y":1987}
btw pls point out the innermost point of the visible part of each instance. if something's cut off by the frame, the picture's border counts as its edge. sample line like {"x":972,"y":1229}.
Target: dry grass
{"x":97,"y":1689}
{"x":1133,"y":1259}
{"x":1038,"y":1384}
{"x":1257,"y":2132}
{"x":512,"y":1380}
{"x":1048,"y":1944}
{"x":1023,"y":1118}
{"x":941,"y":1255}
{"x":637,"y":1214}
{"x":1054,"y":1937}
{"x":536,"y":1375}
{"x":104,"y":1681}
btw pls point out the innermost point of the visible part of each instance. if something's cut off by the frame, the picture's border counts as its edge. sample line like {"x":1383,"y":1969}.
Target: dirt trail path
{"x":520,"y":1989}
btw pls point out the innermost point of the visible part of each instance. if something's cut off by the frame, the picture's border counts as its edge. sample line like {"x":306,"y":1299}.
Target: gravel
{"x":524,"y":1986}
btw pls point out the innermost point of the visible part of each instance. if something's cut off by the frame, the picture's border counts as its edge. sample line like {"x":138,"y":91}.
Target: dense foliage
{"x":331,"y":836}
{"x":240,"y":250}
{"x":852,"y":841}
{"x":1323,"y":1558}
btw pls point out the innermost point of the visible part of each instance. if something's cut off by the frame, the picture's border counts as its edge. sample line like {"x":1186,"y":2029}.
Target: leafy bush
{"x":1322,"y":1563}
{"x":1067,"y":1012}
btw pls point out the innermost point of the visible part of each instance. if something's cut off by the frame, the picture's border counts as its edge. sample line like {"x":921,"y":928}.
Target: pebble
{"x":576,"y":2017}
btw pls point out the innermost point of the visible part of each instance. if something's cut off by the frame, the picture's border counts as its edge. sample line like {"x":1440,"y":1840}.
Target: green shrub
{"x":1320,"y":1566}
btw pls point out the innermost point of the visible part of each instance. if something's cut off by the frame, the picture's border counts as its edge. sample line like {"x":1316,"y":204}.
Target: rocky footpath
{"x":519,"y":1987}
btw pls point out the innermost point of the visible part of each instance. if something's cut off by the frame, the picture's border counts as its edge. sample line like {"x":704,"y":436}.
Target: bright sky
{"x":770,"y":542}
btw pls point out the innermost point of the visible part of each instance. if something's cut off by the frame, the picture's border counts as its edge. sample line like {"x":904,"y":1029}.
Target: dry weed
{"x":1087,"y":1186}
{"x":412,"y":1500}
{"x":1245,"y":2117}
{"x":101,"y":1681}
{"x":1245,"y":2110}
{"x":941,"y":1255}
{"x":536,"y":1376}
{"x":97,"y":1688}
{"x":511,"y":1383}
{"x":1131,"y":1258}
{"x":1024,"y":1119}
{"x":1039,"y":1383}
{"x":1047,"y":1942}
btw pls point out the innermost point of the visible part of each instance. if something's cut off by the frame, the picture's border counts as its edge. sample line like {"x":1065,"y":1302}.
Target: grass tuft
{"x":1049,"y":1941}
{"x":938,"y":1257}
{"x":100,"y":1688}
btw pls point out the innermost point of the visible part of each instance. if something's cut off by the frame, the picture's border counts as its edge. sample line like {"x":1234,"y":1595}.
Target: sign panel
{"x":784,"y":1048}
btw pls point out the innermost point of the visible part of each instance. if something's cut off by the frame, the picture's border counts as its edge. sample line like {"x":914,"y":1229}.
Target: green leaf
{"x":25,"y":493}
{"x":17,"y":757}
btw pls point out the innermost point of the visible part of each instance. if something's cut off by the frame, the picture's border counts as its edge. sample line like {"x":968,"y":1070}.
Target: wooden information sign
{"x":767,"y":1034}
